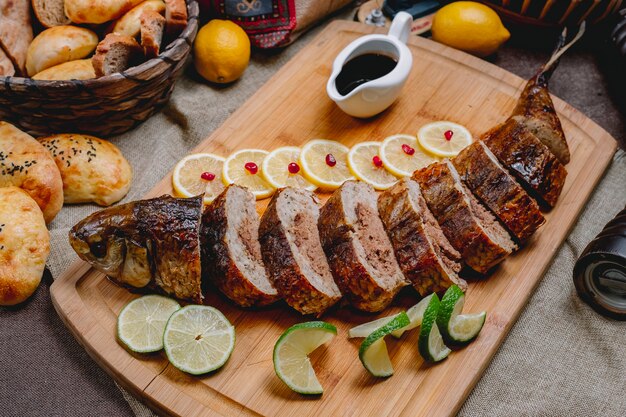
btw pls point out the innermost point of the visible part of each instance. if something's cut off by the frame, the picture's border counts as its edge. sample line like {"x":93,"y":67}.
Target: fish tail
{"x":544,"y":74}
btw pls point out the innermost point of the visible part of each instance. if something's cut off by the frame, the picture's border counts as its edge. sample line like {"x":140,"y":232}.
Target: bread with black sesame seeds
{"x":92,"y":169}
{"x":26,"y":164}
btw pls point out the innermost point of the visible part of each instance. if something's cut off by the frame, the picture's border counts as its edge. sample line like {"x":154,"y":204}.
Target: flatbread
{"x":16,"y":31}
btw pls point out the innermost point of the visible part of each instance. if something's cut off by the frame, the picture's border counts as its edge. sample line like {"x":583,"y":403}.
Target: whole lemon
{"x":469,"y":26}
{"x":221,"y":51}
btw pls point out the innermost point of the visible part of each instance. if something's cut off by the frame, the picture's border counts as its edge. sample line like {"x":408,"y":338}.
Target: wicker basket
{"x":553,"y":13}
{"x":103,"y":106}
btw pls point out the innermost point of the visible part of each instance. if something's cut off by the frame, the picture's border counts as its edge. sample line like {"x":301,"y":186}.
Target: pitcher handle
{"x":401,"y":26}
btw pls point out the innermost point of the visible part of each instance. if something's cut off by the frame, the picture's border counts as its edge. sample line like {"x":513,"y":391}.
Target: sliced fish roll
{"x":231,"y":253}
{"x":293,"y":254}
{"x":358,"y":249}
{"x":530,"y":161}
{"x":497,"y":189}
{"x":423,"y":252}
{"x":470,"y":227}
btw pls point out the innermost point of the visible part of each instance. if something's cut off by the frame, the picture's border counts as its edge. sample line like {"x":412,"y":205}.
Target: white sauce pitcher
{"x":374,"y":96}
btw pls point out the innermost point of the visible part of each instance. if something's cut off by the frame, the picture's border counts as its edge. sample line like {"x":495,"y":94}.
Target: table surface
{"x":46,"y":373}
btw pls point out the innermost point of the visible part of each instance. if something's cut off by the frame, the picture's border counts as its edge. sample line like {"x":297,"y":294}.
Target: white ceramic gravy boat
{"x":376,"y":95}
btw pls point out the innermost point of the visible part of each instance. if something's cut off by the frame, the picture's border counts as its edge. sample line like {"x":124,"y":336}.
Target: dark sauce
{"x":362,"y":69}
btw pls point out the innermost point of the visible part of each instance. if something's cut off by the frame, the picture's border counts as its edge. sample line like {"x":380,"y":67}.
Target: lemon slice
{"x":402,"y":155}
{"x":199,"y":173}
{"x":445,"y":139}
{"x":281,"y":169}
{"x":325,"y":163}
{"x":244,"y":168}
{"x":291,"y":361}
{"x":141,"y":322}
{"x":198,"y":339}
{"x":373,"y":350}
{"x":366,"y":164}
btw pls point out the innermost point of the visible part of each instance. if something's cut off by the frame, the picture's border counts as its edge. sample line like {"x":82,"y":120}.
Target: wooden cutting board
{"x":288,"y":110}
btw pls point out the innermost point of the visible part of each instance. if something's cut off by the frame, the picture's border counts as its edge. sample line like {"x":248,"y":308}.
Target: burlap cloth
{"x":560,"y":359}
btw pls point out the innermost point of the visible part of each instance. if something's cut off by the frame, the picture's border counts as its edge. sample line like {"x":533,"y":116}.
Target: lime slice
{"x":430,"y":342}
{"x":141,"y":322}
{"x":291,"y":360}
{"x":373,"y":350}
{"x":365,"y":329}
{"x":416,"y":314}
{"x":198,"y":339}
{"x":457,"y":328}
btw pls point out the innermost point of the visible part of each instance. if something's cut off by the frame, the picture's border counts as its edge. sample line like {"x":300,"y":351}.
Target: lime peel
{"x":457,"y":328}
{"x":373,"y":351}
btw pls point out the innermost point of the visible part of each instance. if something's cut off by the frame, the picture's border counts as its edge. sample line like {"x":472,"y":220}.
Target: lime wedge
{"x":291,"y":360}
{"x":198,"y":339}
{"x":430,"y":342}
{"x":365,"y":329}
{"x":457,"y":328}
{"x":416,"y":314}
{"x":373,"y":350}
{"x":141,"y":322}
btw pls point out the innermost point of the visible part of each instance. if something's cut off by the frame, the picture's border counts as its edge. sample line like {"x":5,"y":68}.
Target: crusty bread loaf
{"x":81,"y":69}
{"x":26,"y":164}
{"x":175,"y":17}
{"x":116,"y":53}
{"x":92,"y":169}
{"x":50,"y":13}
{"x":24,"y":246}
{"x":16,"y":31}
{"x":6,"y":66}
{"x":97,"y":11}
{"x":130,"y":23}
{"x":152,"y":26}
{"x":57,"y":45}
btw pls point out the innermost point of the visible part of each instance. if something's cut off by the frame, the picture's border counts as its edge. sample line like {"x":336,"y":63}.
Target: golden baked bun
{"x":57,"y":45}
{"x":129,"y":24}
{"x":24,"y":246}
{"x":81,"y":69}
{"x":93,"y":170}
{"x":26,"y":164}
{"x":97,"y":11}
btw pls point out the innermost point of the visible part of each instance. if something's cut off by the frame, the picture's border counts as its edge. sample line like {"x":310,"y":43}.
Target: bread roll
{"x":93,"y":170}
{"x":16,"y":31}
{"x":50,"y":13}
{"x":80,"y":69}
{"x":129,"y":24}
{"x":116,"y":53}
{"x":26,"y":164}
{"x":152,"y":26}
{"x":6,"y":66}
{"x":24,"y":246}
{"x":97,"y":11}
{"x":176,"y":17}
{"x":57,"y":45}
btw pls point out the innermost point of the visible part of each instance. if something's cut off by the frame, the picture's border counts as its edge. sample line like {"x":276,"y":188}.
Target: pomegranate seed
{"x":293,"y":168}
{"x":207,"y":176}
{"x":448,"y":134}
{"x":407,"y":149}
{"x":330,"y":160}
{"x":377,"y":161}
{"x":251,"y":167}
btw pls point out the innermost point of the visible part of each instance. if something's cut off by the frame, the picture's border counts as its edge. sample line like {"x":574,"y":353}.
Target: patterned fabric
{"x":269,"y":23}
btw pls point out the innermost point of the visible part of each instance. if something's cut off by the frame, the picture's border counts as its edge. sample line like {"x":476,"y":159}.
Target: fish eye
{"x":98,"y":249}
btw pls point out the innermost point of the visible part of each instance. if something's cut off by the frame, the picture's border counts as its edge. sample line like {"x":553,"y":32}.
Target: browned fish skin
{"x":495,"y":188}
{"x":469,"y":227}
{"x":535,"y":110}
{"x":424,"y":254}
{"x":231,"y":250}
{"x":293,"y":253}
{"x":357,"y":247}
{"x":148,"y":243}
{"x":530,"y":161}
